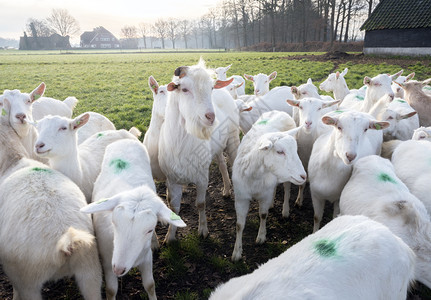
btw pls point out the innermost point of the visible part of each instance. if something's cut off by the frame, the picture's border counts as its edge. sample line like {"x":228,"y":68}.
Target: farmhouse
{"x":99,"y":38}
{"x":399,"y":27}
{"x":52,"y":42}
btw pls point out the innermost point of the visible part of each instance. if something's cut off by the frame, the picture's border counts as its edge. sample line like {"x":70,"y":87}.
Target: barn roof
{"x":399,"y":14}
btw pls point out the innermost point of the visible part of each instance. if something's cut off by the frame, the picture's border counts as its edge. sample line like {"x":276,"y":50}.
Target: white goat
{"x":261,"y":82}
{"x":412,"y":163}
{"x":95,"y":124}
{"x":57,"y":142}
{"x":274,"y":100}
{"x":376,"y":88}
{"x":237,"y":87}
{"x":151,"y":138}
{"x":43,"y":236}
{"x":126,"y":211}
{"x":352,"y":257}
{"x":310,"y":111}
{"x":398,"y":91}
{"x":422,"y":133}
{"x":419,"y":100}
{"x":335,"y":152}
{"x":184,"y":144}
{"x":337,"y":84}
{"x":266,"y":157}
{"x":375,"y":191}
{"x":17,"y":107}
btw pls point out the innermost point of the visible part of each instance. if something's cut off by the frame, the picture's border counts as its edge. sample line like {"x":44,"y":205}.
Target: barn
{"x":399,"y":27}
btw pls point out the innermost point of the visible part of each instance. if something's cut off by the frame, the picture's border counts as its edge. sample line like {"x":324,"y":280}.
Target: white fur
{"x":368,"y":262}
{"x":337,"y":84}
{"x":43,"y":236}
{"x":45,"y":106}
{"x":261,"y":82}
{"x":352,"y":137}
{"x":237,"y":87}
{"x":266,"y":157}
{"x":376,"y":88}
{"x":57,"y":142}
{"x":412,"y":163}
{"x":310,"y":111}
{"x":422,"y":133}
{"x":126,"y":211}
{"x":274,"y":100}
{"x":375,"y":191}
{"x":184,"y":144}
{"x":95,"y":124}
{"x":151,"y":138}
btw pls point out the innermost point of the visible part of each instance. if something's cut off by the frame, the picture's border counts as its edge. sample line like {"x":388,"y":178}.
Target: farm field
{"x":116,"y":85}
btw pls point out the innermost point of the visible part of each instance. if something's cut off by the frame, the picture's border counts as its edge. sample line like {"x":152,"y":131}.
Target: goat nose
{"x":392,"y":96}
{"x":210,"y":117}
{"x":21,"y":117}
{"x":350,"y":156}
{"x":257,"y":92}
{"x":308,"y":123}
{"x":304,"y":177}
{"x":118,"y":271}
{"x":40,"y":145}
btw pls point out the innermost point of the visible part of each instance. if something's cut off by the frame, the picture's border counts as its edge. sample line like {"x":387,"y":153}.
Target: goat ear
{"x":295,"y":91}
{"x":293,"y":102}
{"x":330,"y":103}
{"x":328,"y":120}
{"x":293,"y":132}
{"x":410,"y":76}
{"x":239,"y":85}
{"x":396,"y":75}
{"x":367,"y":80}
{"x":227,"y":68}
{"x":266,"y":145}
{"x":245,"y":108}
{"x":249,"y":77}
{"x":172,"y":86}
{"x":154,"y":86}
{"x":309,"y":81}
{"x":337,"y":75}
{"x":379,"y":125}
{"x":344,"y":72}
{"x":426,"y":82}
{"x":6,"y":107}
{"x":37,"y":92}
{"x":272,"y":76}
{"x":165,"y":215}
{"x":406,"y":116}
{"x":106,"y":204}
{"x":79,"y":121}
{"x":222,"y":83}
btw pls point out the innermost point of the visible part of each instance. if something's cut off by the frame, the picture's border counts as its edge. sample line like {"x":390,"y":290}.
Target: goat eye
{"x":185,"y":90}
{"x":62,"y":128}
{"x":162,"y":92}
{"x":365,"y":130}
{"x":149,"y":231}
{"x":280,"y":152}
{"x":300,"y":107}
{"x":319,"y":108}
{"x":339,"y":128}
{"x":390,"y":118}
{"x":28,"y":101}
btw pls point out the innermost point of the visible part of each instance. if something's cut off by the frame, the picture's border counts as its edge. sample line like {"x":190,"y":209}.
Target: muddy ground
{"x":199,"y":275}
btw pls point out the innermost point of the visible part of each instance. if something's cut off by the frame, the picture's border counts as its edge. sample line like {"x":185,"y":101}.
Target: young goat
{"x":422,"y":133}
{"x":237,"y":87}
{"x":261,"y":82}
{"x":419,"y":100}
{"x":352,"y":257}
{"x":354,"y":135}
{"x":376,"y":192}
{"x":43,"y":236}
{"x":266,"y":157}
{"x":126,"y":211}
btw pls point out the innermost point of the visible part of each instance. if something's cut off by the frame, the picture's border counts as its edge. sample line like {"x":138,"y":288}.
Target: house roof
{"x":399,"y":14}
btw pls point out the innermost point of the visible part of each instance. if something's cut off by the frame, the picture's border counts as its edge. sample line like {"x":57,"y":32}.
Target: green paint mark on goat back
{"x":325,"y":248}
{"x":99,"y":135}
{"x":401,"y":101}
{"x":427,"y":88}
{"x":102,"y":200}
{"x":119,"y":165}
{"x":383,"y":177}
{"x":339,"y":111}
{"x":360,"y":98}
{"x":263,"y":122}
{"x":41,"y":170}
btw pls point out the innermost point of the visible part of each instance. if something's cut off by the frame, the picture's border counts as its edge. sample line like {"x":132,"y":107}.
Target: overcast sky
{"x":111,"y":14}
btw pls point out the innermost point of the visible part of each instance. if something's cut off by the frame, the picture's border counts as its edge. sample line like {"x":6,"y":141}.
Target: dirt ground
{"x":201,"y":277}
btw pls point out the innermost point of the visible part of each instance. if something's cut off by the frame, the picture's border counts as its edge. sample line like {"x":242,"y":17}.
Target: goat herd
{"x":367,"y":151}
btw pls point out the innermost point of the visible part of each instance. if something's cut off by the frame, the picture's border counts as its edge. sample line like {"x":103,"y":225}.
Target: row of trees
{"x":242,"y":23}
{"x":235,"y":24}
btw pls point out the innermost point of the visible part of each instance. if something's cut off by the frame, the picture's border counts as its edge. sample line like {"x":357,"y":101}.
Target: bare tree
{"x":161,"y":30}
{"x":172,"y":25}
{"x":129,"y":35}
{"x":63,"y":23}
{"x":144,"y":30}
{"x":184,"y":30}
{"x":38,"y":28}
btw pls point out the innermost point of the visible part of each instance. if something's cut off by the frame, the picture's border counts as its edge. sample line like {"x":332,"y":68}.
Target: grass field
{"x":116,"y":85}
